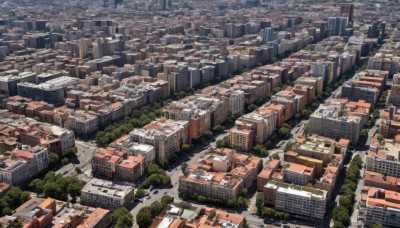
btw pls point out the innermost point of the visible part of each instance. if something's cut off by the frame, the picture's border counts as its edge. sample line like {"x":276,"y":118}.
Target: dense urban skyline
{"x":183,"y":113}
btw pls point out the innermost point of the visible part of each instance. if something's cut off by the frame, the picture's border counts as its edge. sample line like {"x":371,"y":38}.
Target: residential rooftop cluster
{"x":150,"y":80}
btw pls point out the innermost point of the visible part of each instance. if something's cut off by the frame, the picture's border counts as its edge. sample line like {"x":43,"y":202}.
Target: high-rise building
{"x":394,"y":94}
{"x":267,"y":35}
{"x":347,"y":10}
{"x":337,"y":26}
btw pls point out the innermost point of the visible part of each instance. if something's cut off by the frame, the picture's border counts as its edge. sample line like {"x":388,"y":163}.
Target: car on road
{"x":154,"y":192}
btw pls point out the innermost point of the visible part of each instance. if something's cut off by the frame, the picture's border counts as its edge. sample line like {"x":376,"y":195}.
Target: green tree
{"x":53,"y":159}
{"x":156,"y":208}
{"x":144,"y":217}
{"x":218,"y":128}
{"x":165,"y":200}
{"x":363,"y":133}
{"x":212,"y":214}
{"x":283,"y":132}
{"x":306,"y":112}
{"x":269,"y":212}
{"x":65,"y":161}
{"x":184,"y":166}
{"x":122,"y":217}
{"x":140,"y":193}
{"x":341,"y":214}
{"x":275,"y":156}
{"x":78,"y":170}
{"x":186,"y":148}
{"x":379,"y":136}
{"x":346,"y":202}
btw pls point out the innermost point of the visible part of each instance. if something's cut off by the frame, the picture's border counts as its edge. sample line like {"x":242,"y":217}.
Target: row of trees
{"x":156,"y":177}
{"x":241,"y":201}
{"x":341,"y":213}
{"x":122,"y":218}
{"x":14,"y":198}
{"x":57,"y":186}
{"x":145,"y":216}
{"x":268,"y":212}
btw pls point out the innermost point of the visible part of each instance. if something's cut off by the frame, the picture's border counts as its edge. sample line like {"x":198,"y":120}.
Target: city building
{"x":176,"y":216}
{"x":41,"y":213}
{"x":23,"y":164}
{"x":106,"y":194}
{"x":379,"y":206}
{"x":304,"y":202}
{"x":384,"y":159}
{"x":297,"y":174}
{"x":394,"y":93}
{"x":114,"y":164}
{"x":165,"y":135}
{"x":221,"y":174}
{"x":390,"y":122}
{"x":378,"y":180}
{"x":335,"y":121}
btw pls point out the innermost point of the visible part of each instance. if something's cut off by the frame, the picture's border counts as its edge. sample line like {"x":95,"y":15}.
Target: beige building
{"x":297,"y":174}
{"x":167,"y":136}
{"x":241,"y":139}
{"x":332,"y":120}
{"x":106,"y":194}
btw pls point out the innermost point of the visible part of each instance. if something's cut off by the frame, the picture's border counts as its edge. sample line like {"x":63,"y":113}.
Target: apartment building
{"x":367,"y":85}
{"x":262,"y":122}
{"x":211,"y":184}
{"x":241,"y":138}
{"x":332,"y":120}
{"x":300,"y":201}
{"x":82,"y":123}
{"x":220,"y":174}
{"x":379,"y":206}
{"x":56,"y":139}
{"x":385,"y":160}
{"x":378,"y":180}
{"x":124,"y":143}
{"x":315,"y":82}
{"x":165,"y":135}
{"x":23,"y":165}
{"x":106,"y":194}
{"x":41,"y":213}
{"x":176,"y":216}
{"x":114,"y":164}
{"x":235,"y":99}
{"x":52,"y":91}
{"x":384,"y":62}
{"x":315,"y":147}
{"x":394,"y":93}
{"x":297,"y":174}
{"x":390,"y":122}
{"x":201,"y":112}
{"x":10,"y":80}
{"x":266,"y":174}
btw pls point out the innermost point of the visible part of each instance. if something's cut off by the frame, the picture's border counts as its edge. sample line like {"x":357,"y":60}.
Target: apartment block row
{"x":19,"y":166}
{"x":18,"y":129}
{"x":221,"y":174}
{"x":41,"y":213}
{"x":304,"y":182}
{"x":340,"y":118}
{"x":191,"y":216}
